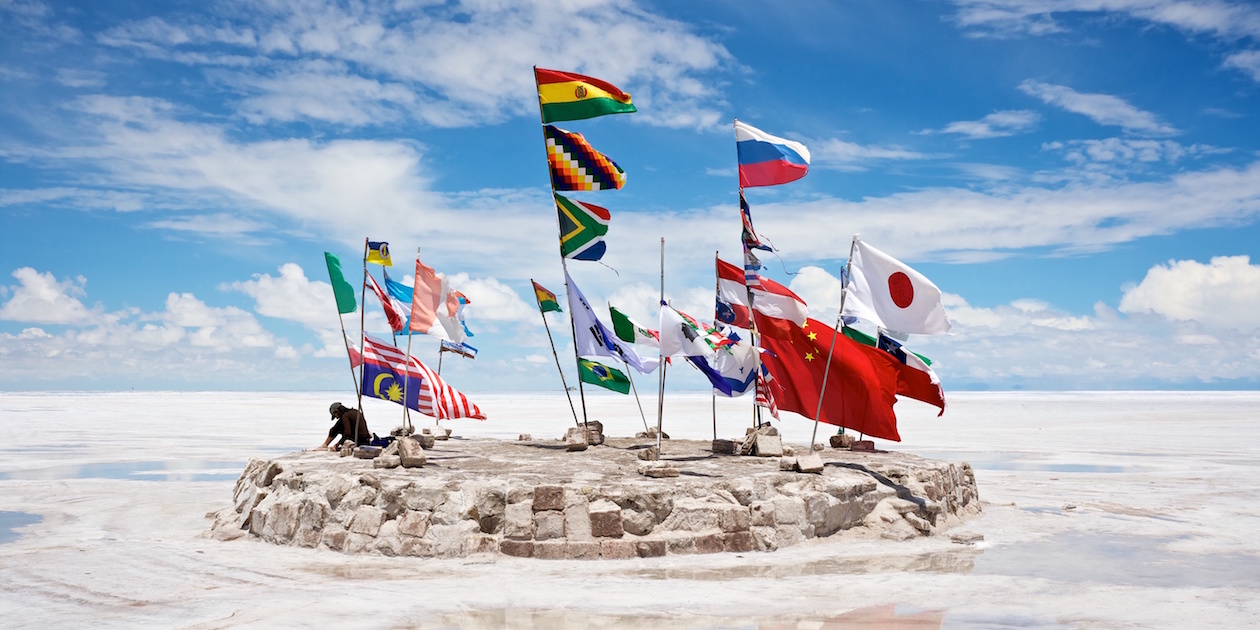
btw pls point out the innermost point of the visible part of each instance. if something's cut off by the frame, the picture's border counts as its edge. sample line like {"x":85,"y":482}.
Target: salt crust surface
{"x":1100,"y":510}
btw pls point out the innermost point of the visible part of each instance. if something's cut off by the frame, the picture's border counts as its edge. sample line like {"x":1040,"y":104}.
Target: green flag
{"x":629,"y":330}
{"x":582,"y":229}
{"x":604,"y":376}
{"x":341,"y":289}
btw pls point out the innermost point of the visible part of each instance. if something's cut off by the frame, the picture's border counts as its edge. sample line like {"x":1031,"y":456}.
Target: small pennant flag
{"x":603,"y":376}
{"x":572,"y":96}
{"x":575,"y":165}
{"x":342,"y":291}
{"x":378,"y":254}
{"x":582,"y":229}
{"x":546,"y":299}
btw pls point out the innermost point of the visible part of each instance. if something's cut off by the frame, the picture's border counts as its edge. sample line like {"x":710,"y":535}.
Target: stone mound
{"x":538,"y":499}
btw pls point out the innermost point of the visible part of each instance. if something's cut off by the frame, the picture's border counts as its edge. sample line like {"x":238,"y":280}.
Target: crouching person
{"x":348,"y":426}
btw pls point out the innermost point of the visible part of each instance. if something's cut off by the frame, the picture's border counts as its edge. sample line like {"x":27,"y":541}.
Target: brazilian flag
{"x":604,"y":376}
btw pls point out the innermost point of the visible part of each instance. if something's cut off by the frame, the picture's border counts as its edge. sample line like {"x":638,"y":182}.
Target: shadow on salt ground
{"x":10,"y":521}
{"x":1122,"y":560}
{"x":889,"y":616}
{"x":956,"y":561}
{"x":136,"y":471}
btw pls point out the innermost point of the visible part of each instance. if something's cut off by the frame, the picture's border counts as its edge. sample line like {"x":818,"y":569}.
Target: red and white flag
{"x":393,"y":308}
{"x":888,"y":293}
{"x":428,"y":302}
{"x":435,"y":397}
{"x":783,"y":308}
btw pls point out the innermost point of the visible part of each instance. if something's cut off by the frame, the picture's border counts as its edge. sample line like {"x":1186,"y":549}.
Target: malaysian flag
{"x":389,"y":374}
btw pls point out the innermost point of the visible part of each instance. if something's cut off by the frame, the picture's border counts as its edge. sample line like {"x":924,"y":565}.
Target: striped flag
{"x":393,"y":308}
{"x":573,"y":96}
{"x":390,"y":374}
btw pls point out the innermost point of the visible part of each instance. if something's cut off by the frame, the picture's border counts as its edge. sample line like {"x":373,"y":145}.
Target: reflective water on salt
{"x":10,"y":521}
{"x":136,"y":471}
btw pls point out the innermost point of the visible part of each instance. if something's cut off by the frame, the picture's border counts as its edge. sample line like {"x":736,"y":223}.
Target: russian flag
{"x":766,"y":160}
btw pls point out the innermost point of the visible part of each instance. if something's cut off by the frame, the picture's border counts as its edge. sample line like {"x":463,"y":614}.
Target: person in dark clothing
{"x":349,"y":425}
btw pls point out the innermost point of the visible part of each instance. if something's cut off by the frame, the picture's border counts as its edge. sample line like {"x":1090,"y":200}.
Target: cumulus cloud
{"x":1219,"y":18}
{"x":1128,"y":150}
{"x":1247,"y":61}
{"x":39,"y":298}
{"x":996,"y":125}
{"x":1103,"y":109}
{"x":1224,"y":293}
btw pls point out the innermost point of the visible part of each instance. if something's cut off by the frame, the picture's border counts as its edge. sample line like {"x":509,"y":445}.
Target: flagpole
{"x":362,"y":332}
{"x":346,"y":339}
{"x":407,"y":359}
{"x":834,"y":334}
{"x":632,"y":387}
{"x":660,"y":396}
{"x":556,"y":356}
{"x":717,"y":288}
{"x":542,"y":126}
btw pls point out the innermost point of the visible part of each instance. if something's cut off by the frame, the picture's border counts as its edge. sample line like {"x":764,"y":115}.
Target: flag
{"x":738,"y":367}
{"x":766,"y":160}
{"x":751,"y":240}
{"x":356,"y":357}
{"x":582,"y":229}
{"x":783,"y":308}
{"x":915,"y":378}
{"x":393,"y":309}
{"x":888,"y":293}
{"x":575,"y":165}
{"x":752,"y":270}
{"x":861,"y":384}
{"x":428,"y":298}
{"x":572,"y":96}
{"x":604,"y":376}
{"x":378,"y":253}
{"x":342,"y":290}
{"x":546,"y":299}
{"x":460,"y":348}
{"x":592,"y":338}
{"x":682,"y":335}
{"x":629,"y":330}
{"x":390,"y":374}
{"x":453,"y":317}
{"x":765,"y":397}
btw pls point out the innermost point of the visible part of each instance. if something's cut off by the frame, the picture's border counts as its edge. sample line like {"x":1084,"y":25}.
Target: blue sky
{"x":1081,"y":178}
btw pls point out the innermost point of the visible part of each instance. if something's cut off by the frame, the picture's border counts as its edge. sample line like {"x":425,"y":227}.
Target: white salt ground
{"x":1111,"y":510}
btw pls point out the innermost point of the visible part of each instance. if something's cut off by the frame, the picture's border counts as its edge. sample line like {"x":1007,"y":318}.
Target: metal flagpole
{"x":834,"y":334}
{"x":563,"y":265}
{"x":350,"y":358}
{"x":556,"y":355}
{"x":660,"y":396}
{"x":407,"y":359}
{"x":362,"y":333}
{"x":717,"y":288}
{"x":636,"y":396}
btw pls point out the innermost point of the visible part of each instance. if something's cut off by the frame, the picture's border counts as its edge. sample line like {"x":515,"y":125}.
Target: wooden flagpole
{"x":834,"y":334}
{"x":556,"y":356}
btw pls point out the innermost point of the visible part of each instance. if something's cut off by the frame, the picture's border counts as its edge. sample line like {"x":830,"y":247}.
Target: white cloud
{"x":40,"y":298}
{"x":1248,"y":61}
{"x":1103,"y":109}
{"x":1226,"y":20}
{"x":491,"y":300}
{"x":845,"y":155}
{"x":1224,"y":293}
{"x":996,"y":125}
{"x":221,"y":225}
{"x":444,"y":64}
{"x":218,"y":329}
{"x":291,"y":296}
{"x":1128,"y":150}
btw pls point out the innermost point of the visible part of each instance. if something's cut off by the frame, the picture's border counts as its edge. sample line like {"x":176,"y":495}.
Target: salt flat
{"x":1100,"y":510}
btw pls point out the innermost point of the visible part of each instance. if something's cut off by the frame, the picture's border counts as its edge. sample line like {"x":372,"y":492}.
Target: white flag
{"x":593,"y":338}
{"x":886,"y":292}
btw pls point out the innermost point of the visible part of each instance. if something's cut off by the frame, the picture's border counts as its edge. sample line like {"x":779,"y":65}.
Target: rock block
{"x":548,"y":525}
{"x":390,"y":449}
{"x":761,"y":513}
{"x":367,"y":452}
{"x":525,"y":437}
{"x":575,"y":439}
{"x":548,"y":498}
{"x":680,"y":543}
{"x":842,"y":440}
{"x":638,"y":523}
{"x":387,"y":461}
{"x":710,"y":543}
{"x":426,"y":441}
{"x":336,"y":540}
{"x":649,"y":454}
{"x":480,"y":543}
{"x":789,"y":511}
{"x":617,"y":549}
{"x":581,"y":550}
{"x":863,"y":446}
{"x":788,"y":451}
{"x":734,"y":518}
{"x":518,"y":521}
{"x":809,"y":463}
{"x":650,"y":548}
{"x":723,"y":447}
{"x":966,"y":538}
{"x":517,"y":548}
{"x":787,"y":463}
{"x":577,"y":521}
{"x":660,"y":472}
{"x":918,"y":522}
{"x":738,"y":542}
{"x":606,"y":520}
{"x":768,"y":445}
{"x":367,"y":520}
{"x":347,"y":449}
{"x":594,"y":432}
{"x":410,"y":452}
{"x":550,"y":550}
{"x":419,"y":547}
{"x":414,"y":524}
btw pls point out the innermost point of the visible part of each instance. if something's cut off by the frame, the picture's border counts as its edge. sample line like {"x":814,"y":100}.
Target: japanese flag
{"x":888,"y":293}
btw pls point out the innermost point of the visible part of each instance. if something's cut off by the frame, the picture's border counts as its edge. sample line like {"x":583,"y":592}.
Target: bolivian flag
{"x":570,"y":96}
{"x":546,"y":299}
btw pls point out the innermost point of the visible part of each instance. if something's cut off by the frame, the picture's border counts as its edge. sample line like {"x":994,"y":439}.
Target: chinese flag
{"x":861,"y":385}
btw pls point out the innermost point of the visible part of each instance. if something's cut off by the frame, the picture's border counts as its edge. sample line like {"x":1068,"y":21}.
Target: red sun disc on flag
{"x":901,"y":289}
